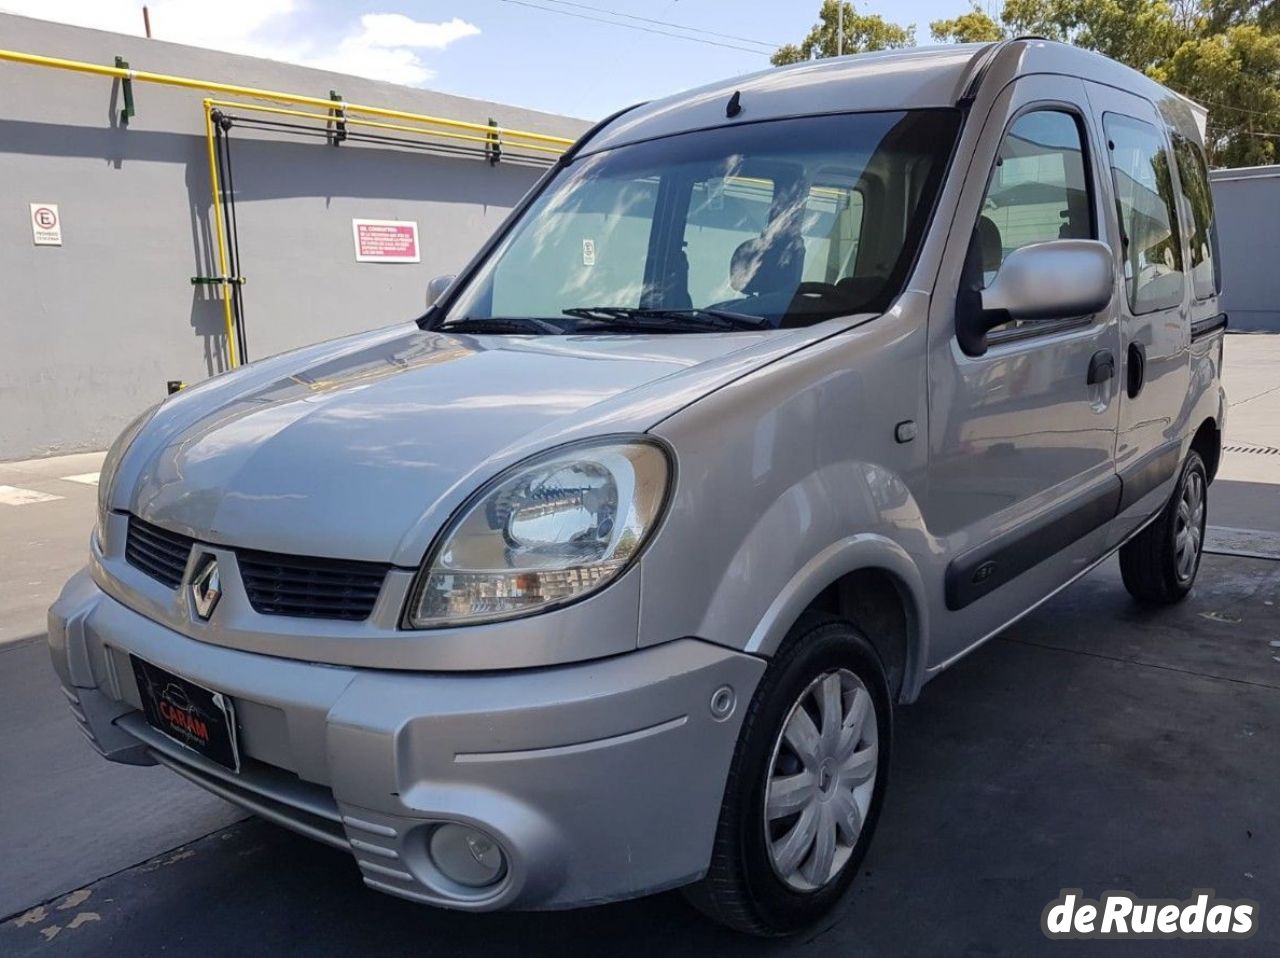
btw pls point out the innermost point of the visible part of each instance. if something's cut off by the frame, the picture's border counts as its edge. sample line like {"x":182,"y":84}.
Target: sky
{"x":553,"y":55}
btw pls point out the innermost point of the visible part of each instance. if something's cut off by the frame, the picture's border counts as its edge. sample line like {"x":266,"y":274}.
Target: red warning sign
{"x":386,"y":241}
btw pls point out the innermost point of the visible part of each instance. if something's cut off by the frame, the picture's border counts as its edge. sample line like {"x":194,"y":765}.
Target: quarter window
{"x":1039,"y":190}
{"x":1194,"y":176}
{"x":1143,"y":180}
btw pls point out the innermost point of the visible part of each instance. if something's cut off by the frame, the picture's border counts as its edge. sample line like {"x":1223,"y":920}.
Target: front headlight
{"x":111,"y":463}
{"x":549,"y":531}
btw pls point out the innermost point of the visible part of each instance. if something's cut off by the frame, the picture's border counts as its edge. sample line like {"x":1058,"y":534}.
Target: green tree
{"x":1236,"y":75}
{"x":972,"y":27}
{"x":1222,"y":14}
{"x":1036,"y":18}
{"x":862,"y":33}
{"x":1140,"y":33}
{"x":1225,"y":54}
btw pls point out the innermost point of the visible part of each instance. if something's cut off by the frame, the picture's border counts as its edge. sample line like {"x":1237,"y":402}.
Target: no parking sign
{"x":46,"y":225}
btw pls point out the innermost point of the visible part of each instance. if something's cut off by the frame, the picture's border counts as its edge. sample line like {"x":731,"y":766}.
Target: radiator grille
{"x":158,"y":552}
{"x":309,"y":587}
{"x":274,"y":584}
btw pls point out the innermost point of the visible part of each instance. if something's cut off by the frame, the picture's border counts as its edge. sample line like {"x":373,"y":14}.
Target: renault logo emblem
{"x":206,"y":587}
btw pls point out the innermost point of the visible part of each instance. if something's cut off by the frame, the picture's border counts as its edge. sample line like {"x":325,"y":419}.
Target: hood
{"x":362,"y":449}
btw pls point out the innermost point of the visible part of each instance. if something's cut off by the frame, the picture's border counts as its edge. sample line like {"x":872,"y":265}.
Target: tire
{"x":1159,"y":565}
{"x":837,"y":784}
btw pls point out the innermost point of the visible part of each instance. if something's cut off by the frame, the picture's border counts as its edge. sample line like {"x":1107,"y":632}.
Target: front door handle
{"x":1101,"y":367}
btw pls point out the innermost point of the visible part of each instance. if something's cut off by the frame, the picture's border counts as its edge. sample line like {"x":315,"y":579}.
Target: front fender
{"x":788,"y":479}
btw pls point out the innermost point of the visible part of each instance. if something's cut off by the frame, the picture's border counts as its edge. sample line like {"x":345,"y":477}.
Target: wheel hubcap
{"x":821,"y":779}
{"x":1189,"y":527}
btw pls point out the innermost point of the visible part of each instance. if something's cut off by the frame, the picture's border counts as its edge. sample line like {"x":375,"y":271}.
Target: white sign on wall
{"x":46,"y":224}
{"x":386,"y":241}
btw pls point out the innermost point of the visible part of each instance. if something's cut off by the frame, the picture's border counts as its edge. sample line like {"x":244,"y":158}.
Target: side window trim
{"x":1010,"y":335}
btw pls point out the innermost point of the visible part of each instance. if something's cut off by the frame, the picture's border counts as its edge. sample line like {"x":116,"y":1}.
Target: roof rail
{"x":981,"y":64}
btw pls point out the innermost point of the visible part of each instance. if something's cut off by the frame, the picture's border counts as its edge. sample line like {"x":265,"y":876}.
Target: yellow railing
{"x":511,"y":137}
{"x":332,"y":112}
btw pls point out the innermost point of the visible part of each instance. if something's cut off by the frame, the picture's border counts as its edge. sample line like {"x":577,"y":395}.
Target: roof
{"x":1245,"y":173}
{"x":916,"y":78}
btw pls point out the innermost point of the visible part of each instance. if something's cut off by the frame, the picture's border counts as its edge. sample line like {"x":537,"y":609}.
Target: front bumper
{"x":600,"y":780}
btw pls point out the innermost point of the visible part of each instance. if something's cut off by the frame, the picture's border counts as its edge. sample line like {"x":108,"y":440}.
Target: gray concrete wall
{"x":90,"y":331}
{"x":1247,"y":206}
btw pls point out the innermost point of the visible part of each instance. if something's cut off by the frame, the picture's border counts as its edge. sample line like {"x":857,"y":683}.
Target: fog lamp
{"x":467,"y":855}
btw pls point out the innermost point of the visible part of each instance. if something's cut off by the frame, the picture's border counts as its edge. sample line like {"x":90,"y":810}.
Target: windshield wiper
{"x":503,"y":324}
{"x":675,"y":320}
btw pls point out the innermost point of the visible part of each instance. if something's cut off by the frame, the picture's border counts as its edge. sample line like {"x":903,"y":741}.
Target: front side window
{"x":761,"y":225}
{"x":1193,"y":174}
{"x":1145,"y":204}
{"x":1039,"y":190}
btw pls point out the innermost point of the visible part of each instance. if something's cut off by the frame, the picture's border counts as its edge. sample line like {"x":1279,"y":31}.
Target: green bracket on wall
{"x":493,"y":148}
{"x":126,"y":87}
{"x":340,"y":124}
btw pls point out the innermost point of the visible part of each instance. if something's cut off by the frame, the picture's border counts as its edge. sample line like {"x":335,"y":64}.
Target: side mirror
{"x":1056,"y":280}
{"x":436,"y":288}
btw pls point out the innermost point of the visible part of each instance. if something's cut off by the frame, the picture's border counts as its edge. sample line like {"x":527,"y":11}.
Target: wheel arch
{"x":1208,"y":442}
{"x":872,"y":582}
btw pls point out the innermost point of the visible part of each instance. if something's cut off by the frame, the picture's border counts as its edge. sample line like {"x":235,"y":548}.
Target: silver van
{"x":605,"y":576}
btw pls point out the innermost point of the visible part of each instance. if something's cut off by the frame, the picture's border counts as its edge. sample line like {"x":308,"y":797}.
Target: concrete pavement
{"x":46,"y":513}
{"x":66,"y":817}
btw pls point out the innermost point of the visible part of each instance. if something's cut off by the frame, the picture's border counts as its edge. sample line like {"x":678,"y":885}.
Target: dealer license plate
{"x":193,"y":716}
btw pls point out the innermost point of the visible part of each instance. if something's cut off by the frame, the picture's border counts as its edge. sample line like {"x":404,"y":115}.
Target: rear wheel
{"x":805,"y":786}
{"x":1159,"y":565}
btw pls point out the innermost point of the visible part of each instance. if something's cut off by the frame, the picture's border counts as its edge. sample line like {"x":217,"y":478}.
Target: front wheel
{"x":806,"y":783}
{"x":1159,"y":565}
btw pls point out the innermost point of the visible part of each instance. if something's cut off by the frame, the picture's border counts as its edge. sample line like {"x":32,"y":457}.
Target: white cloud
{"x":395,"y":29}
{"x":382,"y":46}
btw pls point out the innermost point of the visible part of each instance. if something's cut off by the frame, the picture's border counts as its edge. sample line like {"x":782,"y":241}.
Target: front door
{"x":1155,"y":332}
{"x":1021,"y":477}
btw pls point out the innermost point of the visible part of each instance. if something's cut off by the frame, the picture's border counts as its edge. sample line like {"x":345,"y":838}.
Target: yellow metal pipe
{"x":375,"y":124}
{"x":223,"y":269}
{"x":142,"y":76}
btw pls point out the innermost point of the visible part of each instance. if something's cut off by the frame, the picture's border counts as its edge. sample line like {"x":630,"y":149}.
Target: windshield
{"x":765,"y":225}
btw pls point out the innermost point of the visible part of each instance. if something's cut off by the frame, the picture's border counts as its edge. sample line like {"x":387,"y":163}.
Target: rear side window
{"x":1142,"y":174}
{"x":1194,"y":176}
{"x":1038,"y":191}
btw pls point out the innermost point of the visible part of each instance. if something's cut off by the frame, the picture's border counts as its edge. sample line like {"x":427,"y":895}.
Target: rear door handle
{"x":1101,"y":367}
{"x":1137,"y":369}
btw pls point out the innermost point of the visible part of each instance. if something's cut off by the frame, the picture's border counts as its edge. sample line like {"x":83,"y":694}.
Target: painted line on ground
{"x":14,"y":496}
{"x":87,"y":478}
